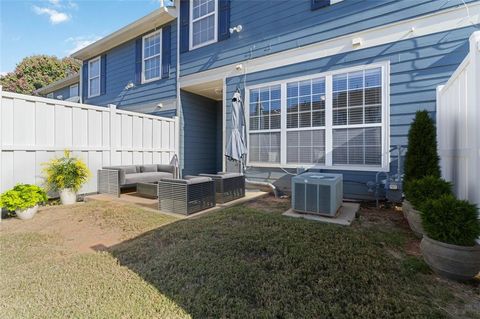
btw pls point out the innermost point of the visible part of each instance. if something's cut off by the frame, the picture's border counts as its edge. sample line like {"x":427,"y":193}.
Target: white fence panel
{"x":33,"y":130}
{"x":458,"y":120}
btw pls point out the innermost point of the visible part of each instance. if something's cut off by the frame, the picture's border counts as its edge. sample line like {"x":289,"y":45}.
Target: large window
{"x":336,"y":120}
{"x":203,"y":22}
{"x":151,"y":62}
{"x":94,"y":77}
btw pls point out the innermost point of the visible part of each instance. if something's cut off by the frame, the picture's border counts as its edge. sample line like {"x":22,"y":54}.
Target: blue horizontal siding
{"x":198,"y":134}
{"x":121,"y":71}
{"x":273,"y":26}
{"x":417,"y":67}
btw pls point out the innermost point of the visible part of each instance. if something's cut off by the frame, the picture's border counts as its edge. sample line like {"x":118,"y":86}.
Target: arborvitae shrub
{"x":451,"y":221}
{"x":418,"y":191}
{"x":422,"y":158}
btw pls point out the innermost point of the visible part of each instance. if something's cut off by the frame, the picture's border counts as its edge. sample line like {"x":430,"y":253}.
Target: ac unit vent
{"x":317,"y":193}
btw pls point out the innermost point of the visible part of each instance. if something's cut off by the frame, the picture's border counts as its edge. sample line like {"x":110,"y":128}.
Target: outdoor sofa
{"x":111,"y":179}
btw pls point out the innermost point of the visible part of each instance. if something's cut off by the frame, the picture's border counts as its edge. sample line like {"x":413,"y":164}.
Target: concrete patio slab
{"x":151,"y":204}
{"x":345,"y":216}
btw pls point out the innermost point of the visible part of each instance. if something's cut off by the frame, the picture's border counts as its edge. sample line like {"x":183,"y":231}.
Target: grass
{"x":244,"y":262}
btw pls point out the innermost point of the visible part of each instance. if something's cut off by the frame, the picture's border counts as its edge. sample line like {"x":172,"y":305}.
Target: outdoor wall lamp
{"x":237,"y":29}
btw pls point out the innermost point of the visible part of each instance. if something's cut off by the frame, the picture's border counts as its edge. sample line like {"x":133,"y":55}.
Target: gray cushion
{"x":222,"y":175}
{"x":128,"y":169}
{"x":146,"y":177}
{"x":189,"y":180}
{"x":148,"y":168}
{"x":165,"y":168}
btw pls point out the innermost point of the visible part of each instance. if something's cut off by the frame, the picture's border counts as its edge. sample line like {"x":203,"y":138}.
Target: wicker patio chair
{"x":228,"y":186}
{"x":186,"y":196}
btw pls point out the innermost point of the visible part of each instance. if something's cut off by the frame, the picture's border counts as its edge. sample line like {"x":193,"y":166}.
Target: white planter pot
{"x":26,"y":213}
{"x":68,"y":196}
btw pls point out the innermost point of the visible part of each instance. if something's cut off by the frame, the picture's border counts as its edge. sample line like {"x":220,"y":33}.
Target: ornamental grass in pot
{"x":23,"y":199}
{"x":66,"y":175}
{"x":418,"y":192}
{"x":449,"y":245}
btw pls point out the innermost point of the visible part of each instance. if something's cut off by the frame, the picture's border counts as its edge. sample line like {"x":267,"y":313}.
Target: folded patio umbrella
{"x":237,"y":147}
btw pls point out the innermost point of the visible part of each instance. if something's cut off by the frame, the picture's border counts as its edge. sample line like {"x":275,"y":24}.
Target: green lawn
{"x":244,"y":262}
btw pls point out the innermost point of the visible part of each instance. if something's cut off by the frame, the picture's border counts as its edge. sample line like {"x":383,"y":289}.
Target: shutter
{"x":184,"y":25}
{"x":223,"y":19}
{"x":166,"y":51}
{"x":85,"y":80}
{"x":103,"y":74}
{"x":138,"y":61}
{"x":317,"y":4}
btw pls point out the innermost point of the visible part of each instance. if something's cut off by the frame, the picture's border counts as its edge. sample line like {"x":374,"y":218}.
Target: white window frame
{"x":91,"y":78}
{"x":215,"y":29}
{"x":159,"y":54}
{"x":385,"y":123}
{"x":76,"y":90}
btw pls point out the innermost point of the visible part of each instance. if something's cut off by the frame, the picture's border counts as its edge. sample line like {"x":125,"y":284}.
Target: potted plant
{"x":66,"y":175}
{"x":421,"y":160}
{"x":418,"y":192}
{"x":449,"y":246}
{"x":23,"y":199}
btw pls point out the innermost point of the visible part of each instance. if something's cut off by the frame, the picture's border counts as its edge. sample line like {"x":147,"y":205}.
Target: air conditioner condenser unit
{"x":317,"y":193}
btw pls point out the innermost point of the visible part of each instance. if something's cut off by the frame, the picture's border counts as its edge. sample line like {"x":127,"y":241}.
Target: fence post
{"x":1,"y":144}
{"x":474,"y":115}
{"x":112,"y":130}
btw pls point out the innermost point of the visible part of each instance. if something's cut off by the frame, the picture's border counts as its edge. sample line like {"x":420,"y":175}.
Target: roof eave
{"x":59,"y":84}
{"x":149,"y":22}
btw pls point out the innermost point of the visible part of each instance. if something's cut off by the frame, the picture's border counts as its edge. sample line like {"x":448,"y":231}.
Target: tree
{"x":422,"y":158}
{"x":38,"y":71}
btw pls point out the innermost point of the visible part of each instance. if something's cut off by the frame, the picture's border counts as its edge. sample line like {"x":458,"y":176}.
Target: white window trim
{"x":385,"y":124}
{"x":70,"y":90}
{"x":99,"y":76}
{"x":190,"y":28}
{"x":143,"y":56}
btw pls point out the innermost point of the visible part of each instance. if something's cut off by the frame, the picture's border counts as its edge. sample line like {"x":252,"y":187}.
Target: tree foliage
{"x":422,"y":158}
{"x":38,"y":71}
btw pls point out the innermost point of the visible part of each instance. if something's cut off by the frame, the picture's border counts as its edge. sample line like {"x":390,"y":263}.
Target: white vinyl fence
{"x":458,"y":125}
{"x":33,"y":130}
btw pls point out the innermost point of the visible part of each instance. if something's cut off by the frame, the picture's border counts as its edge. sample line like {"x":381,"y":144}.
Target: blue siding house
{"x":63,"y":89}
{"x":330,"y":85}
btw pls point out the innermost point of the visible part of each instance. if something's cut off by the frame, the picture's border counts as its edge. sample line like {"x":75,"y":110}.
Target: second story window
{"x":151,"y":62}
{"x":203,"y":22}
{"x":94,"y":77}
{"x":73,"y":90}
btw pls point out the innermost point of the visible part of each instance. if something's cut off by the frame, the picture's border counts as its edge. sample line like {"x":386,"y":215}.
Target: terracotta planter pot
{"x":68,"y":196}
{"x":414,"y":218}
{"x":459,"y":263}
{"x":27,"y":213}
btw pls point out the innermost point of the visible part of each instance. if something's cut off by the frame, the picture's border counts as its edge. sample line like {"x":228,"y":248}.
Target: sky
{"x":60,"y":27}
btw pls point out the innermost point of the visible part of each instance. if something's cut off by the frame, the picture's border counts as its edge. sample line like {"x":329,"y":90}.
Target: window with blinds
{"x":306,"y":121}
{"x":265,"y":124}
{"x":331,"y":120}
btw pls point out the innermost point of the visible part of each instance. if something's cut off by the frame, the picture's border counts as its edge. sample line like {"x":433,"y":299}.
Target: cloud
{"x":54,"y":2}
{"x":54,"y":16}
{"x":81,"y":42}
{"x":3,"y":73}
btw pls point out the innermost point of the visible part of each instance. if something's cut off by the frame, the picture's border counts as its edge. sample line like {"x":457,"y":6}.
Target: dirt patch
{"x":85,"y":227}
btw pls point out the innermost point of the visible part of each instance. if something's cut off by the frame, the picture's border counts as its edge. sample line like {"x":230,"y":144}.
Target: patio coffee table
{"x":148,"y":189}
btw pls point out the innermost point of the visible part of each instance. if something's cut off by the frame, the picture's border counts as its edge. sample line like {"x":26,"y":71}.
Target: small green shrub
{"x":22,"y":196}
{"x":422,"y":158}
{"x":65,"y":172}
{"x":451,"y":220}
{"x":418,"y":191}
